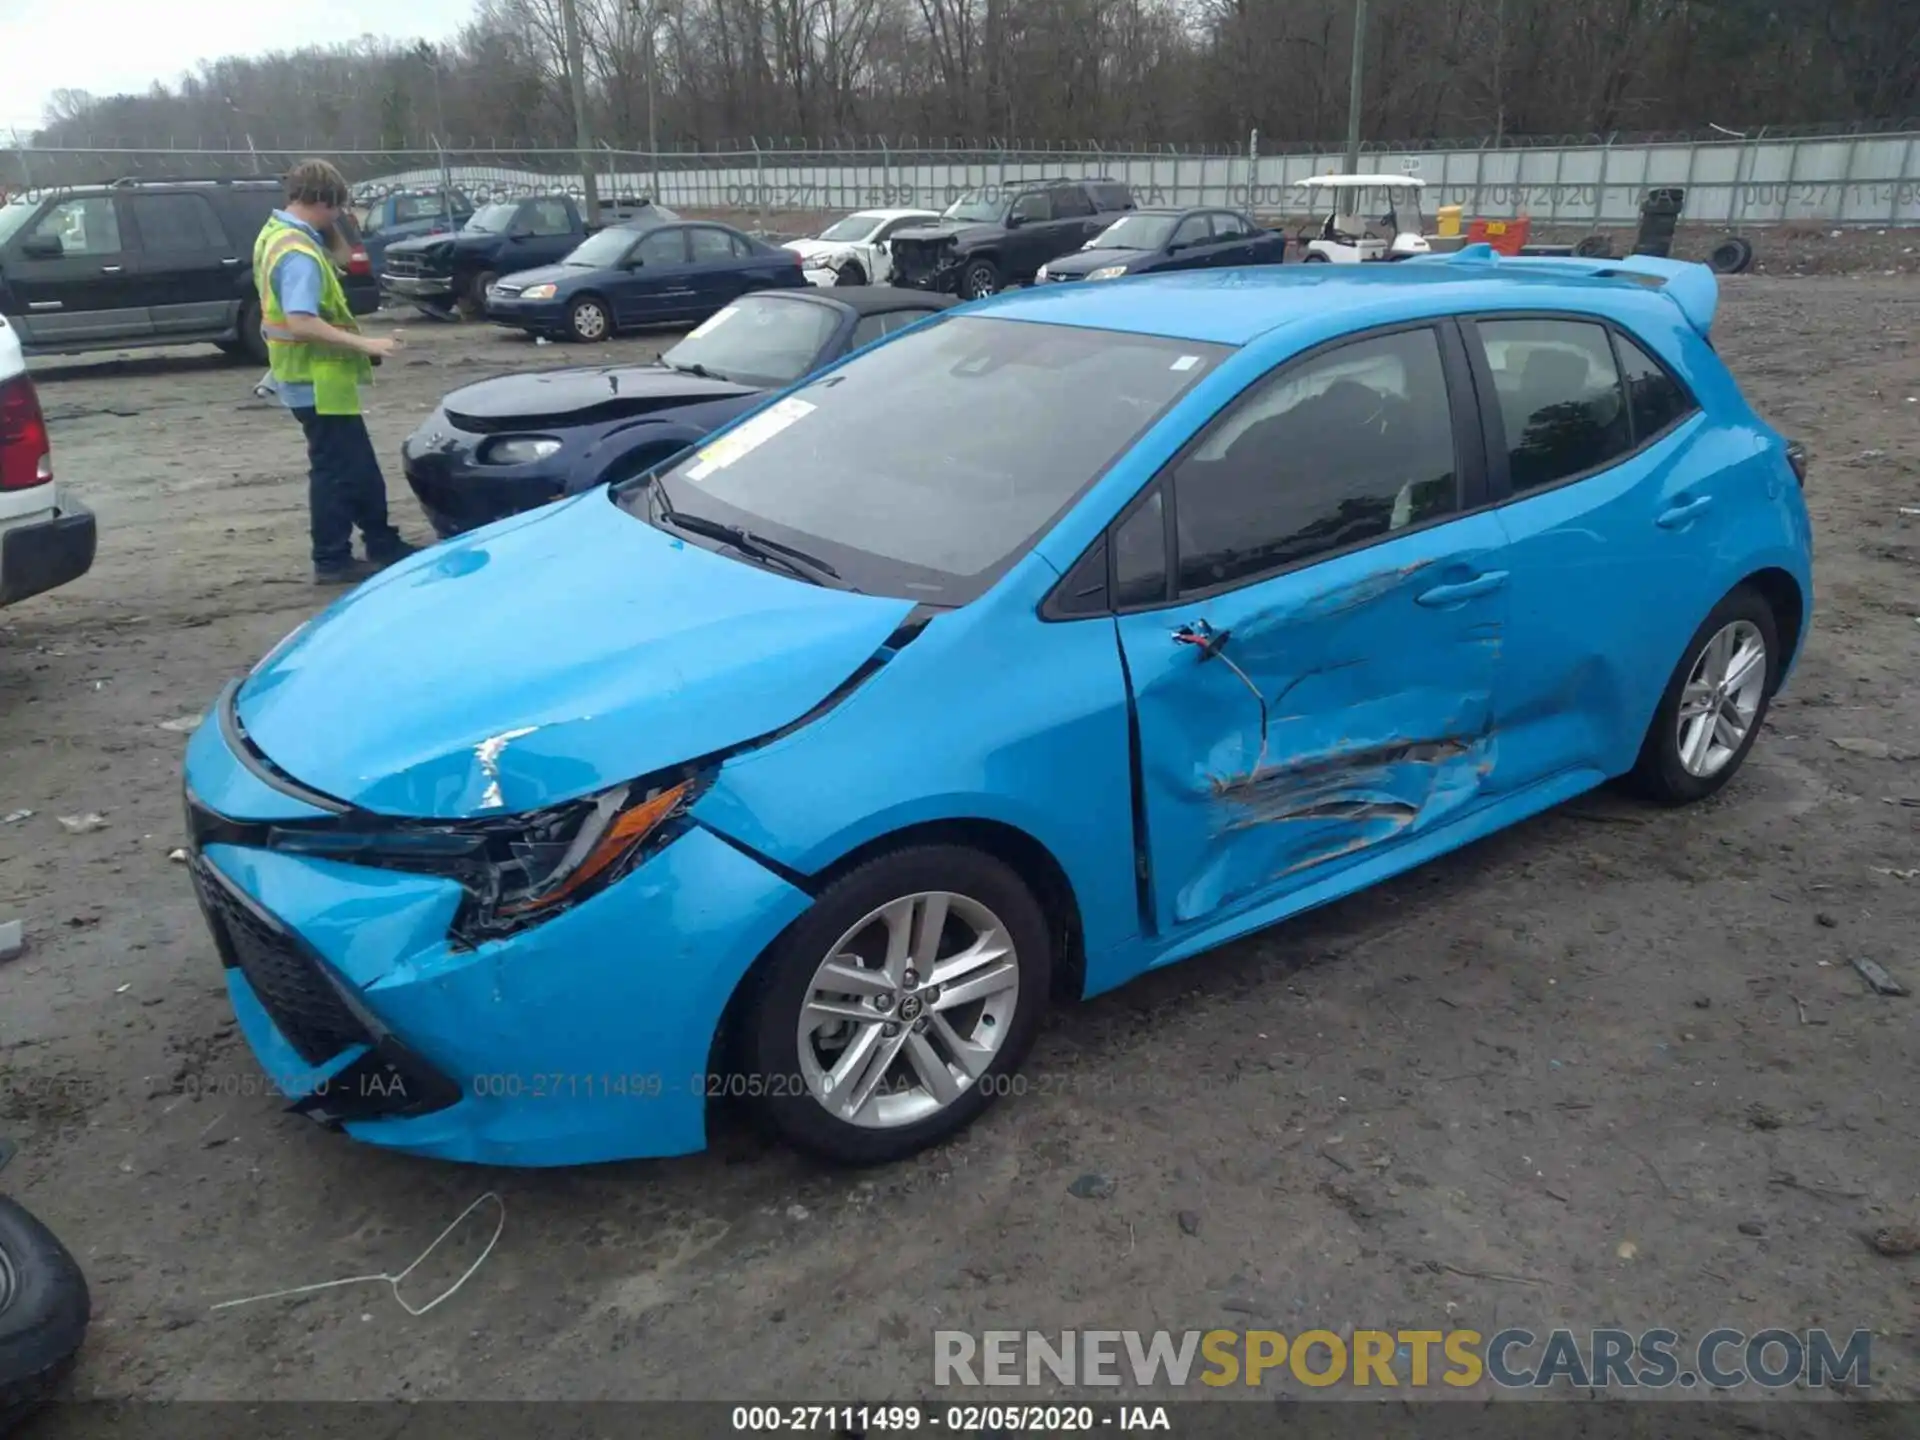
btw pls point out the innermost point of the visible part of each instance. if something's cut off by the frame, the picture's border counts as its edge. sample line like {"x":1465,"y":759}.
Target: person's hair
{"x":316,"y":182}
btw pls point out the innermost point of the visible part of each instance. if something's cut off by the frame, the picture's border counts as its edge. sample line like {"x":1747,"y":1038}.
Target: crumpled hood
{"x":581,"y":394}
{"x":545,"y":657}
{"x":956,"y":230}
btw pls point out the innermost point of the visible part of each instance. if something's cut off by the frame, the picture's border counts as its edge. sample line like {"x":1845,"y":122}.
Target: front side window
{"x":882,"y":466}
{"x":1032,"y":207}
{"x":83,"y":227}
{"x":1348,"y":446}
{"x":549,"y":217}
{"x":1193,"y":231}
{"x":493,"y":219}
{"x":1561,"y":404}
{"x":662,"y":247}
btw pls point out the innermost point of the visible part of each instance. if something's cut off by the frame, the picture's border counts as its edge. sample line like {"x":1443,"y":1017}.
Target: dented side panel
{"x":1341,"y":715}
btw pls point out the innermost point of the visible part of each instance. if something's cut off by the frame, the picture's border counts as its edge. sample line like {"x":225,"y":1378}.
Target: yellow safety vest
{"x":336,"y":375}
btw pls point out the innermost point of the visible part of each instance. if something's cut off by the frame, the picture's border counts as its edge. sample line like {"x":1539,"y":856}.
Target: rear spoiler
{"x":1690,"y":286}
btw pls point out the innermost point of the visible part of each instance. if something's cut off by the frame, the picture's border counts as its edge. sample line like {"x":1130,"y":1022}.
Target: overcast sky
{"x":110,"y":46}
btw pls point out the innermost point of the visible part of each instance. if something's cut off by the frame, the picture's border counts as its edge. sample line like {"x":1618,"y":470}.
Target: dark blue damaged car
{"x":1052,"y":640}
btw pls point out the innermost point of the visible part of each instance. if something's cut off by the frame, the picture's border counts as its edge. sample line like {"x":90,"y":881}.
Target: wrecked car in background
{"x":998,"y":236}
{"x":515,"y":442}
{"x":854,"y":251}
{"x":852,"y":738}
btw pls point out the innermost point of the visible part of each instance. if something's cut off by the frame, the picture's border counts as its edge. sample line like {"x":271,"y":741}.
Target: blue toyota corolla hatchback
{"x":1049,"y":641}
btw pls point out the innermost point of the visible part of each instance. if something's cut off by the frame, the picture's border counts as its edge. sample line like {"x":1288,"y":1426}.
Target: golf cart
{"x":1349,"y":235}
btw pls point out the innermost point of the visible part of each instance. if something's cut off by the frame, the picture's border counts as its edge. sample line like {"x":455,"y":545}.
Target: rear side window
{"x":1656,"y":399}
{"x":177,"y":222}
{"x":1561,"y":404}
{"x":1111,"y":196}
{"x":709,"y":245}
{"x":1070,"y":203}
{"x":548,"y":217}
{"x":1348,"y":446}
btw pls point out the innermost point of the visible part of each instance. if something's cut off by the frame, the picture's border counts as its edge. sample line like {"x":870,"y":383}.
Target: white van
{"x":46,"y":537}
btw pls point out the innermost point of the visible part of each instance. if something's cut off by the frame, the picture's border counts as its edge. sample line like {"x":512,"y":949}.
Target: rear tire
{"x":588,"y":320}
{"x":250,"y":344}
{"x":850,"y":273}
{"x":1315,"y":258}
{"x":44,"y":1310}
{"x":1725,"y":690}
{"x":985,"y":909}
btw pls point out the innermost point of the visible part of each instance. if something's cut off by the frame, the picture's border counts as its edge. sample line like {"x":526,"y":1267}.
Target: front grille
{"x":405,"y":265}
{"x":300,"y":1000}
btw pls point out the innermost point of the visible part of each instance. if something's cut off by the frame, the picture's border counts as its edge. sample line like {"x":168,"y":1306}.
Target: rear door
{"x":716,"y":273}
{"x":75,"y":274}
{"x":187,"y":263}
{"x":1076,"y":219}
{"x":1616,"y":509}
{"x":1032,"y":241}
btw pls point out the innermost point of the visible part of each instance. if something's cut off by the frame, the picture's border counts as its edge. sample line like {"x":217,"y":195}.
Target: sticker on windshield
{"x":746,"y":438}
{"x":713,"y":322}
{"x":1186,"y":362}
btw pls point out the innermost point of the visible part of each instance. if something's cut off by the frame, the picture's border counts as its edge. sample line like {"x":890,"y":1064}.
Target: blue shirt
{"x":296,"y":285}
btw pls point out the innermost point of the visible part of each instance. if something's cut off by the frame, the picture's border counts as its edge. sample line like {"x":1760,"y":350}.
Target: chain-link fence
{"x":1867,"y":178}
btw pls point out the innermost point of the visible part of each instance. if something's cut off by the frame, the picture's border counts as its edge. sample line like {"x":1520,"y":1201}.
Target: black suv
{"x":146,"y":262}
{"x":1001,"y":235}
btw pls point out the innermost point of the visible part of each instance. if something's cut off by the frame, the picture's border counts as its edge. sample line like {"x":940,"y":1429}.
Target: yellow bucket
{"x":1448,"y":217}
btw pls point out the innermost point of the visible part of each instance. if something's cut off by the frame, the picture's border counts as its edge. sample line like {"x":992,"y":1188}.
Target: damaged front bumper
{"x":583,"y":1038}
{"x":923,"y":268}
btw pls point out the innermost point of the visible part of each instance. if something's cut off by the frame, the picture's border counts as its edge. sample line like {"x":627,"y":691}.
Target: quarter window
{"x":1140,"y":554}
{"x":1654,"y":396}
{"x":1560,"y":399}
{"x":1344,"y":448}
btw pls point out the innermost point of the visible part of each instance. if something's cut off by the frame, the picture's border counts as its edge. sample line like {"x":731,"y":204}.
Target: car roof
{"x":1234,"y":305}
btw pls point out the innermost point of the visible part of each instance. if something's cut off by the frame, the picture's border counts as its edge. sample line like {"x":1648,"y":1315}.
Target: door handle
{"x":231,"y":260}
{"x":1680,"y":514}
{"x":1483,"y":584}
{"x":109,"y":269}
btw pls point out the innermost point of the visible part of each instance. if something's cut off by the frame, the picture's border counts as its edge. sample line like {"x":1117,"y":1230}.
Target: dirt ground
{"x":1610,"y":1067}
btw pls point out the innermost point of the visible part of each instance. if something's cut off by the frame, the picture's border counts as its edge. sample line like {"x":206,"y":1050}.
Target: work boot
{"x":344,"y":572}
{"x":390,"y":554}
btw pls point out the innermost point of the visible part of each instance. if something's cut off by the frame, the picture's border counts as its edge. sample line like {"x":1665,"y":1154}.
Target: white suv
{"x":46,"y":538}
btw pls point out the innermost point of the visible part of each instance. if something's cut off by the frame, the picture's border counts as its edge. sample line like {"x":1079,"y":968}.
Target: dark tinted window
{"x":177,"y":222}
{"x":1193,"y":230}
{"x":886,"y":469}
{"x":1560,"y":398}
{"x":901,"y":319}
{"x":1656,"y":398}
{"x":1070,"y":202}
{"x":1140,"y":554}
{"x":1229,"y":226}
{"x":662,"y":247}
{"x":1348,"y":446}
{"x":708,"y":244}
{"x":742,"y":247}
{"x":1033,"y":206}
{"x":1111,"y":195}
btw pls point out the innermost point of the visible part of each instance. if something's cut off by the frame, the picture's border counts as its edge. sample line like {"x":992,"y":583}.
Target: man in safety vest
{"x":319,"y":360}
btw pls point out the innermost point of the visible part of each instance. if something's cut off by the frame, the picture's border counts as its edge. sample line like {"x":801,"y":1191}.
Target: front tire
{"x":588,"y":321}
{"x":473,"y":305}
{"x":1714,"y":703}
{"x":44,"y":1310}
{"x":980,"y":279}
{"x":896,"y":1010}
{"x":850,"y":273}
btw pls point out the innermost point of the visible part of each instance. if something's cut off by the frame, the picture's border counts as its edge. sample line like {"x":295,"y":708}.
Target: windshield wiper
{"x":692,"y":369}
{"x":749,"y":542}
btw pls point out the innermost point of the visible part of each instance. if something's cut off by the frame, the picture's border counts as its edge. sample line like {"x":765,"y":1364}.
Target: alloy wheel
{"x":909,"y":1008}
{"x":1722,"y":698}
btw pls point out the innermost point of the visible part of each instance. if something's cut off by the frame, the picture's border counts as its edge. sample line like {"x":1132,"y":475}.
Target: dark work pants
{"x":345,"y":488}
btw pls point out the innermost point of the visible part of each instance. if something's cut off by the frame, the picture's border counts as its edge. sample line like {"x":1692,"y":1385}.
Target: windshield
{"x":13,"y":216}
{"x":854,"y":227}
{"x":1135,"y":232}
{"x":883,"y":468}
{"x":495,"y":218}
{"x":984,"y":205}
{"x":766,"y":341}
{"x":607,"y":247}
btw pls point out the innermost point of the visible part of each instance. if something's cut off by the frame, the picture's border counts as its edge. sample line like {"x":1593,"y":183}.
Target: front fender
{"x":607,"y":455}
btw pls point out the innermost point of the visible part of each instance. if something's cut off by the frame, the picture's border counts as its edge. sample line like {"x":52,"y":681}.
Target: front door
{"x":76,"y":275}
{"x":188,"y":267}
{"x":1316,"y":680}
{"x":655,"y":286}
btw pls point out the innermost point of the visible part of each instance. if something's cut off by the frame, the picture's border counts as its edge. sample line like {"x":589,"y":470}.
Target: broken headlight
{"x":516,"y":869}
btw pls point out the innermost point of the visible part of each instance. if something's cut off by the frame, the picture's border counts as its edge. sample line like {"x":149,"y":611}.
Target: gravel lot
{"x":1611,"y":1067}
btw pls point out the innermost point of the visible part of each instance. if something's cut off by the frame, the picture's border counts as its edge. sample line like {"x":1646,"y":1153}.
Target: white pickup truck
{"x":46,"y":536}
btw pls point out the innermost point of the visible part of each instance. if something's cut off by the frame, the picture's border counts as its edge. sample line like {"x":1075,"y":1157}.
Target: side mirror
{"x":42,"y":247}
{"x":1015,"y":220}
